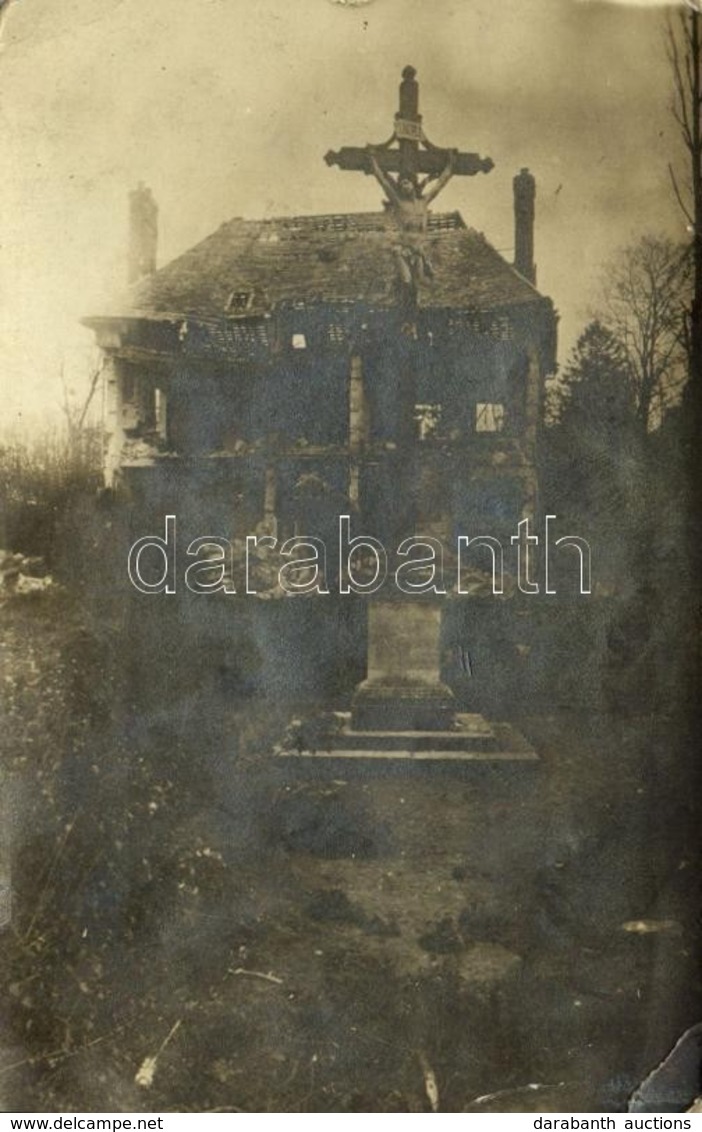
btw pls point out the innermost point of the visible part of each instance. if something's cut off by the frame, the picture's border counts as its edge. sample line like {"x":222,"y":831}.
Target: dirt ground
{"x":199,"y":927}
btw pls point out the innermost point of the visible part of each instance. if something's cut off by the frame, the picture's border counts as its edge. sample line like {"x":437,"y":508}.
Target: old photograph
{"x":350,"y":556}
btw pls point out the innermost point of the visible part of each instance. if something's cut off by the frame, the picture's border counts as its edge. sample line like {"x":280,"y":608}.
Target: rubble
{"x":138,"y":449}
{"x":23,"y":574}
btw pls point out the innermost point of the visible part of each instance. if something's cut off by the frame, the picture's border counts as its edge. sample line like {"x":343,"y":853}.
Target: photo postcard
{"x":349,"y":556}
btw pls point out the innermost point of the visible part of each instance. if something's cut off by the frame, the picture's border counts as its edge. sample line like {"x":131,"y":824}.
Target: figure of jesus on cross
{"x":408,"y":197}
{"x":410,"y":204}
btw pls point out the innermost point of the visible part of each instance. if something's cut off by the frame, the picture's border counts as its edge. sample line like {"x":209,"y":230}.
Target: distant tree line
{"x":623,"y":458}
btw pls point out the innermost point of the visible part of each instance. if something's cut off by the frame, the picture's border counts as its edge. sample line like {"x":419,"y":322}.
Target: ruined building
{"x":285,"y":370}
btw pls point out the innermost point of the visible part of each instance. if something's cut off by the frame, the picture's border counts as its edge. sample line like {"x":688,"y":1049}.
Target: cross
{"x":414,"y":154}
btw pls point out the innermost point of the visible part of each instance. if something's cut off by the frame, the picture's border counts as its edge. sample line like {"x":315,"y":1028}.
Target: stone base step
{"x":474,"y":740}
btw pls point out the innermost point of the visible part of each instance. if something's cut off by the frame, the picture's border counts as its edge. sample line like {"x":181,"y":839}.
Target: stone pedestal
{"x":403,"y":690}
{"x":402,"y":712}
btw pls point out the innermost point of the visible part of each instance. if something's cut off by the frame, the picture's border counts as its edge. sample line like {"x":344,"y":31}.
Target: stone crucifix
{"x":410,"y":170}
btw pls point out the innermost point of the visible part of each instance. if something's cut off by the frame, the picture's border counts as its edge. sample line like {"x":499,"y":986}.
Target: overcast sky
{"x":226,"y":108}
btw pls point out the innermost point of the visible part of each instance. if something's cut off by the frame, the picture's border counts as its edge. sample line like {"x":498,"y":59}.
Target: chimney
{"x":143,"y":233}
{"x":524,"y":196}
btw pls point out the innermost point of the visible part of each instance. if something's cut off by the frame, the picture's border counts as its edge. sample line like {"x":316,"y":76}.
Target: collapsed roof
{"x":250,"y":268}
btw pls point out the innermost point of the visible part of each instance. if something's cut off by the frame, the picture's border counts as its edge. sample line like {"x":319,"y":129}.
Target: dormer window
{"x":239,"y":301}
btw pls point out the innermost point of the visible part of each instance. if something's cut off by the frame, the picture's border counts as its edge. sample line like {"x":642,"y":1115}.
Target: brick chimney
{"x":143,"y":233}
{"x":524,"y":196}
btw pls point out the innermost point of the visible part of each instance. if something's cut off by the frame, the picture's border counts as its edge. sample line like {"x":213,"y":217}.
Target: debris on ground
{"x":651,"y":927}
{"x":23,"y":574}
{"x":147,"y":1069}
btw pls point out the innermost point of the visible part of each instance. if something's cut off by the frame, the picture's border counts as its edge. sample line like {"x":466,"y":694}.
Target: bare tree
{"x":685,"y":55}
{"x":646,"y":307}
{"x":75,"y":410}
